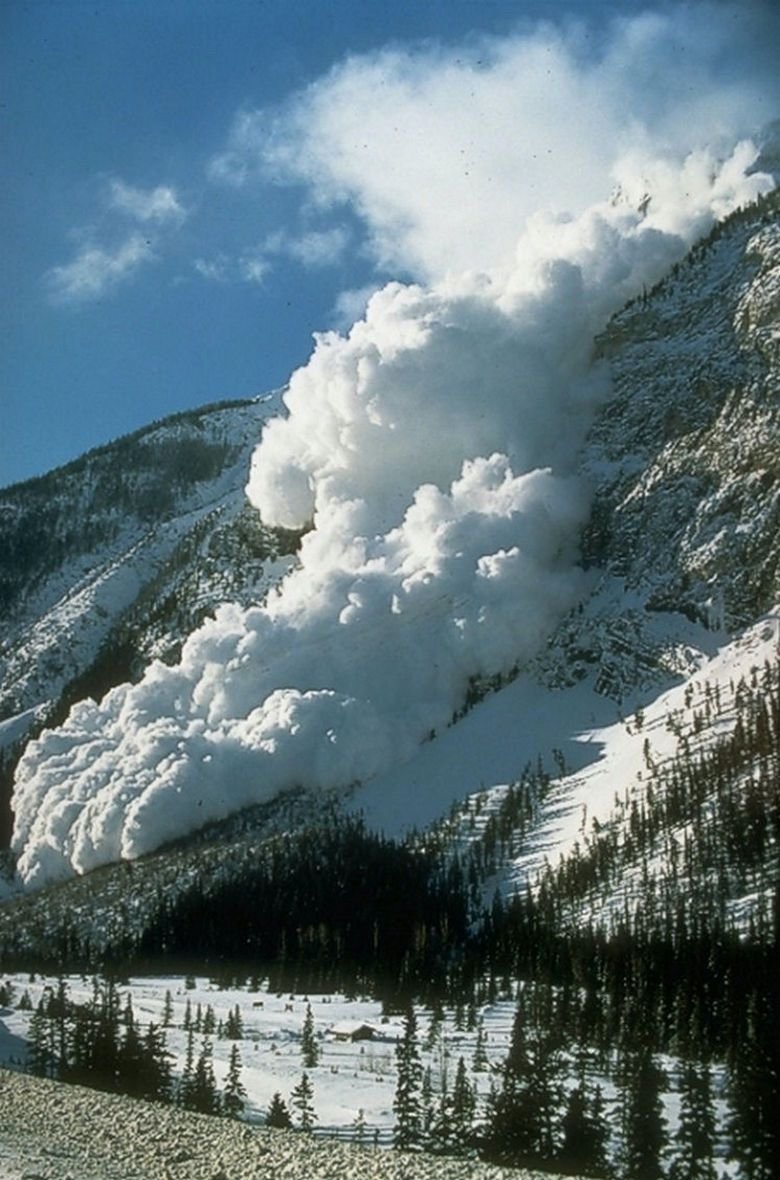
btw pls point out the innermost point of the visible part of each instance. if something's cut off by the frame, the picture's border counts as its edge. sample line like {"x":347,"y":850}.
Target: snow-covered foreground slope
{"x":354,"y":1082}
{"x":50,"y":1131}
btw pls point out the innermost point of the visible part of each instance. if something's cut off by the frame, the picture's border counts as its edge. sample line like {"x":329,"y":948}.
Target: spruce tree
{"x":310,"y":1050}
{"x":455,"y":1124}
{"x":695,"y":1139}
{"x":585,"y":1134}
{"x":406,"y":1103}
{"x":234,"y":1092}
{"x":278,"y":1115}
{"x":204,"y":1087}
{"x":644,"y":1123}
{"x":302,"y":1098}
{"x":39,"y":1057}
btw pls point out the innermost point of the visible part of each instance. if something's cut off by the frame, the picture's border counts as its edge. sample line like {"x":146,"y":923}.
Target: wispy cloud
{"x":217,"y":269}
{"x":157,"y":205}
{"x":313,"y":249}
{"x":254,"y":267}
{"x":99,"y":267}
{"x":95,"y":271}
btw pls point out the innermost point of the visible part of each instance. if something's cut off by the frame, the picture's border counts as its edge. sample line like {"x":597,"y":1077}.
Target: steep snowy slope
{"x":110,"y":561}
{"x":668,"y":603}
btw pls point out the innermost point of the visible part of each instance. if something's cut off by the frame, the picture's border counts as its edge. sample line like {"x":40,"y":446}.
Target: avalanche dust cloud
{"x":431,"y":453}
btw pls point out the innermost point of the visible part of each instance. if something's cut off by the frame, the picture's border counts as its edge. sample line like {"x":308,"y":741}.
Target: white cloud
{"x":317,"y":247}
{"x":95,"y":271}
{"x":444,"y":152}
{"x":157,"y":205}
{"x":254,"y":267}
{"x":217,"y":269}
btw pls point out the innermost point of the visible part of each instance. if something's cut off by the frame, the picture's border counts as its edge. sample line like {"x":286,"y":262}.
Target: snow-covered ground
{"x":52,"y":1132}
{"x":351,"y":1076}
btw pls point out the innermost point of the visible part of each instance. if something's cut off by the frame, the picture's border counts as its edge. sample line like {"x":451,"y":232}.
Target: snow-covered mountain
{"x":111,"y":561}
{"x":114,"y":560}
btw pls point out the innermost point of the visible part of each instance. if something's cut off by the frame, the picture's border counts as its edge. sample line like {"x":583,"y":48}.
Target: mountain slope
{"x":111,"y":561}
{"x":682,"y":549}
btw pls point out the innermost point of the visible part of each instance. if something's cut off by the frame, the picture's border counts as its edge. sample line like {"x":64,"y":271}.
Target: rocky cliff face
{"x":685,"y":456}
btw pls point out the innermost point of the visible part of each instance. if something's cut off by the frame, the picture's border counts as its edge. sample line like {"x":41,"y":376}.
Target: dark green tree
{"x":694,"y":1143}
{"x":302,"y":1098}
{"x":585,"y":1134}
{"x":407,"y":1101}
{"x":310,"y":1050}
{"x":644,"y":1130}
{"x":278,"y":1115}
{"x":234,"y":1092}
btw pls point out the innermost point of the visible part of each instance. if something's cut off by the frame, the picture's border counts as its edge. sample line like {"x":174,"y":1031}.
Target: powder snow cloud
{"x":431,"y":452}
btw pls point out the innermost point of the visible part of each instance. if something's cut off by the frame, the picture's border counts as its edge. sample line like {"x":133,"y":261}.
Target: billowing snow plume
{"x":433,"y":452}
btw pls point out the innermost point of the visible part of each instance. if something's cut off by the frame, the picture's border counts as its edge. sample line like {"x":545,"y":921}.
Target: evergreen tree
{"x":302,"y":1099}
{"x":278,"y":1115}
{"x":310,"y":1050}
{"x":187,"y":1081}
{"x":695,"y":1139}
{"x":157,"y":1072}
{"x":234,"y":1092}
{"x":40,"y":1061}
{"x":453,"y":1128}
{"x":481,"y":1061}
{"x":644,"y":1124}
{"x":167,"y":1016}
{"x":234,"y":1028}
{"x":524,"y":1114}
{"x":406,"y":1103}
{"x":204,"y":1087}
{"x":585,"y":1134}
{"x":754,"y":1083}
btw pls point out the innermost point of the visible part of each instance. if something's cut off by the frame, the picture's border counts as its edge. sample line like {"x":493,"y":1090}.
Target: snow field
{"x":349,"y":1077}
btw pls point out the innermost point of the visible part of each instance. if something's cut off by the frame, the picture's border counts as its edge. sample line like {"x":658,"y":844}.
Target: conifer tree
{"x":585,"y":1134}
{"x":204,"y":1087}
{"x":157,"y":1074}
{"x":754,"y":1082}
{"x":278,"y":1115}
{"x":694,"y":1157}
{"x":167,"y":1016}
{"x":453,"y":1128}
{"x":187,"y":1080}
{"x":234,"y":1028}
{"x":39,"y":1057}
{"x":406,"y":1103}
{"x":302,"y":1098}
{"x":234,"y":1092}
{"x":481,"y":1061}
{"x":310,"y":1050}
{"x":644,"y":1124}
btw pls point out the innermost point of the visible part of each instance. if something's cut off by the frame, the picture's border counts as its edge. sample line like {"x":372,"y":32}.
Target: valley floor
{"x":49,"y":1131}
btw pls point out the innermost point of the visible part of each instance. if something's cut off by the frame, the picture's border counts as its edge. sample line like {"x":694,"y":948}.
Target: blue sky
{"x":185,"y":202}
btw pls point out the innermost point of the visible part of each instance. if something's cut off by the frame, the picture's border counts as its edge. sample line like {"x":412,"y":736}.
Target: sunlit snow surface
{"x":434,"y":450}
